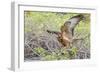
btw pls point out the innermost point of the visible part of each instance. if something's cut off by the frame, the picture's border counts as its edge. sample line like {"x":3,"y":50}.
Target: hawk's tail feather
{"x":53,"y":32}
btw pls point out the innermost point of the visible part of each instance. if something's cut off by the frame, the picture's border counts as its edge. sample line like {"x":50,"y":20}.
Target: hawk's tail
{"x":53,"y":32}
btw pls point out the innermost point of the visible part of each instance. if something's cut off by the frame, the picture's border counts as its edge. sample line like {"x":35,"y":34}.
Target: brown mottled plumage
{"x":65,"y":37}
